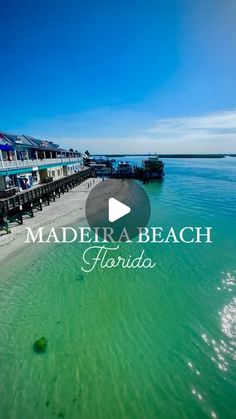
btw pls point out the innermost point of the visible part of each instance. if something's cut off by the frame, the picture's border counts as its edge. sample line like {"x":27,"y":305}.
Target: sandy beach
{"x":66,"y":210}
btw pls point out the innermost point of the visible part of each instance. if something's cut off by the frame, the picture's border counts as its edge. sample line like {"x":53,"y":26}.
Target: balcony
{"x":27,"y":163}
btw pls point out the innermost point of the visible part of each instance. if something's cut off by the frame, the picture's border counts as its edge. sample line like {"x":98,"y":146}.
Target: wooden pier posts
{"x":25,"y":202}
{"x":20,"y":218}
{"x":6,"y":224}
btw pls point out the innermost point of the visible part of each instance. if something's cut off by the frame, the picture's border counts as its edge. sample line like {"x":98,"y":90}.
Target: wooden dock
{"x":26,"y":201}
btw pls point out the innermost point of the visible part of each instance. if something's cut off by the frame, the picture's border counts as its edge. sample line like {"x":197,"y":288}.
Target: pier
{"x":151,"y":169}
{"x":14,"y":207}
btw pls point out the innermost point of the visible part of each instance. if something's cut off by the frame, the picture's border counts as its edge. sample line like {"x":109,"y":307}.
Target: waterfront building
{"x":26,"y":161}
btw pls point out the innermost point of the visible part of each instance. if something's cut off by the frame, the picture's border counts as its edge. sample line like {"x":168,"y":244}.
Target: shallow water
{"x":123,"y":343}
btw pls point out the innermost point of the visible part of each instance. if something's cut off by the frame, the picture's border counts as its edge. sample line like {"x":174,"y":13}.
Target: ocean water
{"x":129,"y":343}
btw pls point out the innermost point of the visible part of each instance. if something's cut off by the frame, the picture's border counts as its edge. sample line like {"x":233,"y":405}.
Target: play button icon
{"x":116,"y":204}
{"x":117,"y":210}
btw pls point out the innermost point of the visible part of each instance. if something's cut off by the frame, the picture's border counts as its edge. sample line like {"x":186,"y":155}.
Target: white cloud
{"x":212,"y":133}
{"x":214,"y":123}
{"x":112,"y":131}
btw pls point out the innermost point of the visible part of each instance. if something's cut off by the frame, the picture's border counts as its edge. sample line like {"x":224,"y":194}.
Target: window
{"x":34,"y":177}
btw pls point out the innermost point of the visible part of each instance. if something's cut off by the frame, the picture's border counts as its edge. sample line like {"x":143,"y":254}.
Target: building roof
{"x":17,"y":142}
{"x":43,"y":145}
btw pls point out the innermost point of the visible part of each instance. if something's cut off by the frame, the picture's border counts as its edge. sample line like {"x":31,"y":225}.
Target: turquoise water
{"x":130,"y":344}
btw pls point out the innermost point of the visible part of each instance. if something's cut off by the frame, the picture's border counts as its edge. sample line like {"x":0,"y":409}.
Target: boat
{"x":101,"y":167}
{"x":124,"y":169}
{"x":153,"y":168}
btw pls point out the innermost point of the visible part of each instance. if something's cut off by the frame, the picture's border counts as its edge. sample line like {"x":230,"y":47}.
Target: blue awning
{"x":5,"y":147}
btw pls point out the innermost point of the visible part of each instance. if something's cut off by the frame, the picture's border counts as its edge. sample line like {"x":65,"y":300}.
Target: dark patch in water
{"x":40,"y":345}
{"x":79,"y":277}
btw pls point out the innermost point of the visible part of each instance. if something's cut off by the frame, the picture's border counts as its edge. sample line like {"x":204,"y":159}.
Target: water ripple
{"x":228,"y":319}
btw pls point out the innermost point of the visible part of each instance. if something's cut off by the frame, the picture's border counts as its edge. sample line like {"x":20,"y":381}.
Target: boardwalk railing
{"x":14,"y":164}
{"x":27,"y":200}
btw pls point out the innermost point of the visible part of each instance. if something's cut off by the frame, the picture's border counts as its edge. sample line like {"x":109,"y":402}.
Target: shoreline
{"x":171,"y":156}
{"x":67,"y":209}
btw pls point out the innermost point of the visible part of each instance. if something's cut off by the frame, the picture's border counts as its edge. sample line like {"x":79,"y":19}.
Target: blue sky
{"x":121,"y":76}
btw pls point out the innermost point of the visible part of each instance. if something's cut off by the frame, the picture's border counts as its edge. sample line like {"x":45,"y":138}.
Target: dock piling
{"x":24,"y":202}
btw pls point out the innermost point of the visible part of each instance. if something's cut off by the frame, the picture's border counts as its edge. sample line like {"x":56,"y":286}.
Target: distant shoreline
{"x":170,"y":156}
